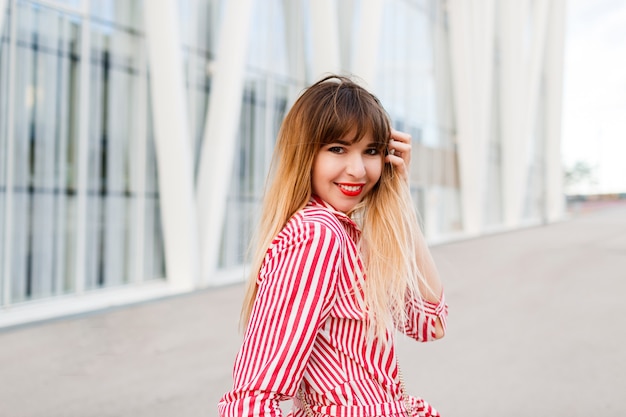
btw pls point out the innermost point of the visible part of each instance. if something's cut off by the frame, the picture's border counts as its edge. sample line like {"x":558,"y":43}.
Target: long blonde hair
{"x":391,"y":238}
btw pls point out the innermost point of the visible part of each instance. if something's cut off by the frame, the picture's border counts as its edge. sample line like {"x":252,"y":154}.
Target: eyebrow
{"x":372,"y":144}
{"x":341,"y":142}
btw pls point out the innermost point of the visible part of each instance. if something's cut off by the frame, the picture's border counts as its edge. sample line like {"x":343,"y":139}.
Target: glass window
{"x":264,"y":106}
{"x":267,"y":91}
{"x":72,"y":3}
{"x":44,"y":144}
{"x":493,"y":208}
{"x":414,"y":86}
{"x":127,"y":14}
{"x":119,"y":195}
{"x":4,"y":108}
{"x":123,"y":232}
{"x":199,"y":25}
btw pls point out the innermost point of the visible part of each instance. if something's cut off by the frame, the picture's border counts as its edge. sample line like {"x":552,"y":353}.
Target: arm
{"x":426,"y":320}
{"x":427,"y":317}
{"x":294,"y":299}
{"x":434,"y":300}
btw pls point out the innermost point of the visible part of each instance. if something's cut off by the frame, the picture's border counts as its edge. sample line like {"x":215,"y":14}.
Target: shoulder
{"x":310,"y":239}
{"x":322,"y":217}
{"x":310,"y":224}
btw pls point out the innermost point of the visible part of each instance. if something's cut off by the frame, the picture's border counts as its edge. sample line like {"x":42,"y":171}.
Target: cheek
{"x":318,"y":171}
{"x":375,"y":169}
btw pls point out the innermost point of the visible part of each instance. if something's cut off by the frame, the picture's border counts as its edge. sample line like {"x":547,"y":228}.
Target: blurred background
{"x":594,"y":128}
{"x":135,"y":135}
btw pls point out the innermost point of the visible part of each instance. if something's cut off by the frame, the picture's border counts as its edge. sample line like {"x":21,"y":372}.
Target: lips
{"x":351,"y":190}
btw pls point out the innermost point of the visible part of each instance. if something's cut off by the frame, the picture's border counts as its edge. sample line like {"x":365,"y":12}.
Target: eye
{"x":336,"y":149}
{"x":372,"y":151}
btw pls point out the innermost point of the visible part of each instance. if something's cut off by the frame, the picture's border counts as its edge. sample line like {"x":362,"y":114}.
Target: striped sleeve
{"x":422,"y":318}
{"x":295,"y":296}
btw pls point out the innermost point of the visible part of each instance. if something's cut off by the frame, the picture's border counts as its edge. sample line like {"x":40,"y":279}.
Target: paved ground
{"x":537,"y":328}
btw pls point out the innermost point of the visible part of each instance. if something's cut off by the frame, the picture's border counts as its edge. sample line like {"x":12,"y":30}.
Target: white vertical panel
{"x":193,"y":75}
{"x":80,"y":270}
{"x":522,"y":54}
{"x":173,"y":145}
{"x":513,"y":99}
{"x":554,"y":55}
{"x":219,"y":142}
{"x":294,"y":31}
{"x":535,"y":61}
{"x":325,"y":38}
{"x":8,"y":211}
{"x":367,"y":42}
{"x":345,"y":28}
{"x":3,"y":6}
{"x":471,"y":47}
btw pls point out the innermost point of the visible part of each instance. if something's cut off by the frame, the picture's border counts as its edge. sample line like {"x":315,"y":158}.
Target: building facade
{"x":135,"y":135}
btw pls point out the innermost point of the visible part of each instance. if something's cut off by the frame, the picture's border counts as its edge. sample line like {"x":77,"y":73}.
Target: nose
{"x":356,"y":166}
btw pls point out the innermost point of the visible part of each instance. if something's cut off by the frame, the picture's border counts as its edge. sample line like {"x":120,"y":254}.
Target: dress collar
{"x":316,"y":201}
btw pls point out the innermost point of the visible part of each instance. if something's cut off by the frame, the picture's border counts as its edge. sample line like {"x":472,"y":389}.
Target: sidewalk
{"x":536,"y":329}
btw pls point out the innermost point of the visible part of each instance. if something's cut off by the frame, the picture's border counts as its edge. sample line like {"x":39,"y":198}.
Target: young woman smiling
{"x":340,"y":266}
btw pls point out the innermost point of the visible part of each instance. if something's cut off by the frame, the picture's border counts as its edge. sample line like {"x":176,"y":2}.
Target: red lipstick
{"x":351,"y":190}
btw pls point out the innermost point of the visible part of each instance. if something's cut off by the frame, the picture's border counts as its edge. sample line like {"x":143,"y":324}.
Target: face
{"x":344,"y":172}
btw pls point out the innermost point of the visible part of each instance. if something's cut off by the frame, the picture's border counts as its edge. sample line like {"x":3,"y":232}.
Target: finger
{"x":400,"y":136}
{"x":400,"y":149}
{"x":395,"y":160}
{"x":398,"y":164}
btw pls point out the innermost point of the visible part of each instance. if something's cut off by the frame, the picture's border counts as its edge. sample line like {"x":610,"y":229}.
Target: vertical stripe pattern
{"x":308,"y":331}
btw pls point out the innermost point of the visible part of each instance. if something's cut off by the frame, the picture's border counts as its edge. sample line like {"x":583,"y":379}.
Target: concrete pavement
{"x":536,"y":328}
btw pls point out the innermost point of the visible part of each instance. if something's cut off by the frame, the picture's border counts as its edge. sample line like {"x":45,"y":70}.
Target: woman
{"x":340,"y":265}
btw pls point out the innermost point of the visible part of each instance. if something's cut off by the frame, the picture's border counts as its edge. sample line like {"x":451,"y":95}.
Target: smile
{"x":351,"y":190}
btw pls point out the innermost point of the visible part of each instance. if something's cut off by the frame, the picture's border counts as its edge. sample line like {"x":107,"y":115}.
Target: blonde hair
{"x":390,"y":240}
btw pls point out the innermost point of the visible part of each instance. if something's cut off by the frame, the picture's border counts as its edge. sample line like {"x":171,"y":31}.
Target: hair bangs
{"x":351,"y":113}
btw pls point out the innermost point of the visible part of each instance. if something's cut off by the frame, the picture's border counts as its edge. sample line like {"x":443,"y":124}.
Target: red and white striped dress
{"x":307,"y":330}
